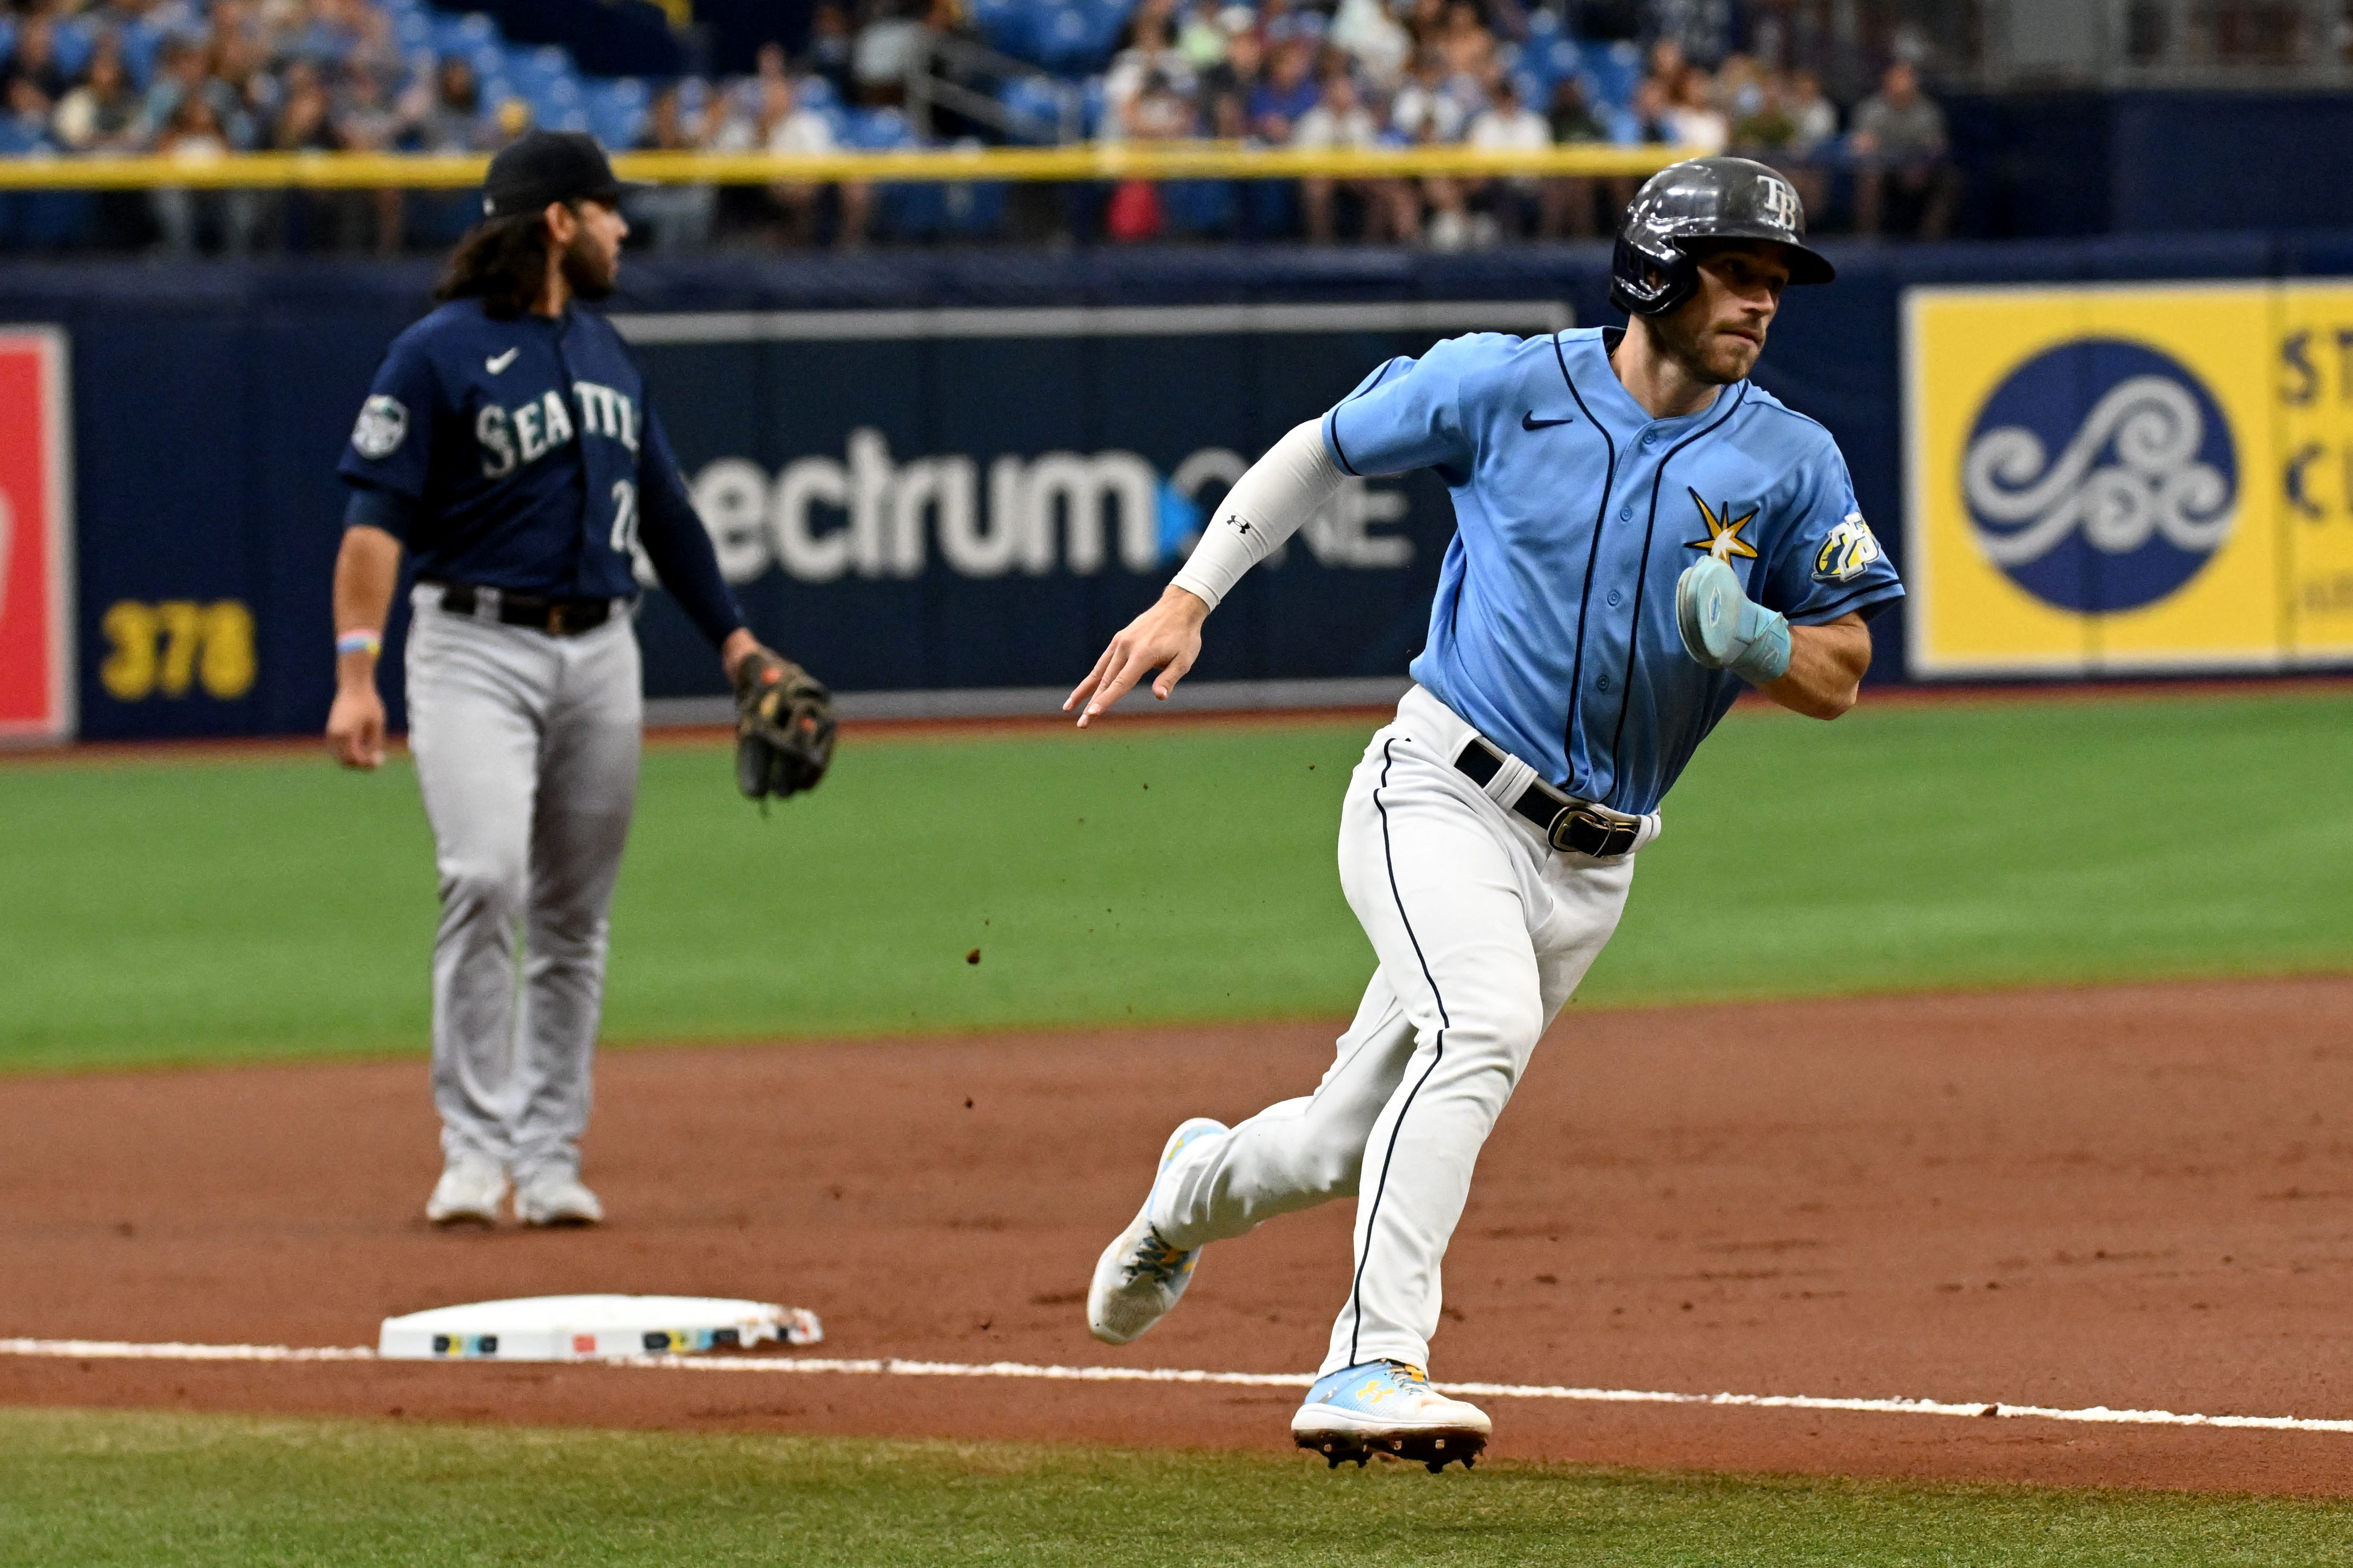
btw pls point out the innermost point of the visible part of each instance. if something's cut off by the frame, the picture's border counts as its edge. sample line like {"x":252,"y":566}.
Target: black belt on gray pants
{"x":558,"y":617}
{"x":1569,"y":825}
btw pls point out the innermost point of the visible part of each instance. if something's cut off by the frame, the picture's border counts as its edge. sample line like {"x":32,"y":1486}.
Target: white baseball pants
{"x":526,"y":748}
{"x":1482,"y":931}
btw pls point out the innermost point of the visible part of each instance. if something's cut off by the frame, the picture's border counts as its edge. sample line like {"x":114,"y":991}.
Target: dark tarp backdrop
{"x":210,"y":404}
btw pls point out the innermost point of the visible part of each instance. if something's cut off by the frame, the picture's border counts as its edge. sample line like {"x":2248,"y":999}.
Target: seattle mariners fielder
{"x":1639,"y":530}
{"x":508,"y":446}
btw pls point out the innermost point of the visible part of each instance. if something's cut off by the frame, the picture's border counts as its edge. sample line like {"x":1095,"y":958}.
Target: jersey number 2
{"x":625,"y":517}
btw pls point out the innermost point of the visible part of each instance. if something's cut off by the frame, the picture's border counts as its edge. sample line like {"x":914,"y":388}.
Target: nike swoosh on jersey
{"x":497,"y":362}
{"x":1529,"y":421}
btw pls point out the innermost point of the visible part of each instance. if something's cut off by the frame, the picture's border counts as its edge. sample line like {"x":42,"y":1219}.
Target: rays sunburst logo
{"x":1723,"y":539}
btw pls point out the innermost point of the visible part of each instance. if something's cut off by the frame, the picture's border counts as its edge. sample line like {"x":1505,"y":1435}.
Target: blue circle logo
{"x":2100,"y":476}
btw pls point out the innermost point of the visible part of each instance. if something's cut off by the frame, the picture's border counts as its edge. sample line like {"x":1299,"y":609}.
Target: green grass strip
{"x":238,"y":909}
{"x":93,"y":1488}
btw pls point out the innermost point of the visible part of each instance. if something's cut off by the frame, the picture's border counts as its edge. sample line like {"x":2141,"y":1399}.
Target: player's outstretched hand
{"x":355,"y":727}
{"x":1165,"y":638}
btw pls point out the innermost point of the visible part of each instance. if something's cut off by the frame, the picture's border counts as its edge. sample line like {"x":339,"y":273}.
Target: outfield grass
{"x":158,"y":912}
{"x":94,"y":1488}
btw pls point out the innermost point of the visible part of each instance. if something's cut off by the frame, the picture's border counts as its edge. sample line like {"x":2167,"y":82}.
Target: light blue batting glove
{"x":1723,"y":628}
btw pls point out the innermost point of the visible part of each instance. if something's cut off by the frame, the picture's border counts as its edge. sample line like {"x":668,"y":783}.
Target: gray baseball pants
{"x":526,"y":748}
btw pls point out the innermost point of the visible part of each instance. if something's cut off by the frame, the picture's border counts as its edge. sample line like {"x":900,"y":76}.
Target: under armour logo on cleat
{"x":1529,"y":421}
{"x":497,"y":362}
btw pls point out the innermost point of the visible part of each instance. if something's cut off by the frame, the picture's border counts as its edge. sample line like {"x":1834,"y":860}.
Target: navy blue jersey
{"x":521,"y":454}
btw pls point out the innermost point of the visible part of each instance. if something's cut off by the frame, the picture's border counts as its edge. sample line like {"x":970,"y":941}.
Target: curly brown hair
{"x":503,"y":261}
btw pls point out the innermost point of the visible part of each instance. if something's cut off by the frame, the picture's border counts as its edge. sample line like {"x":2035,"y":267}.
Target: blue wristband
{"x":1767,"y":632}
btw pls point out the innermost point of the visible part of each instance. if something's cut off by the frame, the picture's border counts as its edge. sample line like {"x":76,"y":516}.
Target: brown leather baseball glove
{"x":784,"y":727}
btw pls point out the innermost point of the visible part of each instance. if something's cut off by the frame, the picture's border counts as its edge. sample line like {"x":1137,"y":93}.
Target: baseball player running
{"x":1639,"y":530}
{"x":507,"y":445}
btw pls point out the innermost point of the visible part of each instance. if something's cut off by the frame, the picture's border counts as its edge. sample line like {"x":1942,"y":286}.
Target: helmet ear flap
{"x":1646,"y":283}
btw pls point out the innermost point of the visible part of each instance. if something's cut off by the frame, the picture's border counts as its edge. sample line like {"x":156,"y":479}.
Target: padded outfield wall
{"x":935,"y":472}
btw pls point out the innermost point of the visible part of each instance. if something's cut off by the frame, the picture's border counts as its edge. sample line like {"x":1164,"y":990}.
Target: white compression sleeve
{"x":1265,"y":507}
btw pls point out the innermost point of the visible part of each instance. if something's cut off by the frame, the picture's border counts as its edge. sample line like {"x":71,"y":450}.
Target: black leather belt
{"x":560,"y":617}
{"x":1569,"y":826}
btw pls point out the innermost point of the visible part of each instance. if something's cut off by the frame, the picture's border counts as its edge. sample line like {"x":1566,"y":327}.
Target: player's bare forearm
{"x":1165,"y":638}
{"x":740,"y":646}
{"x":1826,"y":666}
{"x":367,"y":568}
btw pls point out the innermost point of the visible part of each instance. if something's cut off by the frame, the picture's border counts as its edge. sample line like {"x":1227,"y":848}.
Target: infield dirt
{"x":2134,"y":1197}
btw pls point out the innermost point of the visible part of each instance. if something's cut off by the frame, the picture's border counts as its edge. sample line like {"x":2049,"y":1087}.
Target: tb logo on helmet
{"x":1654,"y":266}
{"x":2100,"y":476}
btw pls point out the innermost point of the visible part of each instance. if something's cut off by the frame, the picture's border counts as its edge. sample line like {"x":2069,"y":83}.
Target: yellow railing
{"x":1083,"y":160}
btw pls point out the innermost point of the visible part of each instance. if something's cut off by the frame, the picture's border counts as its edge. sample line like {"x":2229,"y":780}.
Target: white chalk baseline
{"x":2098,"y":1414}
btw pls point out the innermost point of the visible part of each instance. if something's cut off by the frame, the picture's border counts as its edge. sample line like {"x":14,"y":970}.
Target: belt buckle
{"x":1605,"y":838}
{"x":1563,"y":826}
{"x":555,"y":617}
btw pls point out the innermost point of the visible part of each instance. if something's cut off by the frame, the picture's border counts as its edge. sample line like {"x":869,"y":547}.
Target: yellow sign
{"x":2118,"y":479}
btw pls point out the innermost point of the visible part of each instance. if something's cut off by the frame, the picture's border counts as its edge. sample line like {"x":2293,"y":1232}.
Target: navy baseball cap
{"x":543,"y":166}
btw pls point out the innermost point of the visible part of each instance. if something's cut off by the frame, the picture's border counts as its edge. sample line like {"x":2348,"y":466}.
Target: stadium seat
{"x":1110,"y":18}
{"x":1065,"y":41}
{"x":1036,"y":101}
{"x":557,"y":103}
{"x":1616,"y":68}
{"x":1077,"y":37}
{"x":76,"y":41}
{"x":463,"y":35}
{"x":414,"y":31}
{"x":1015,"y":27}
{"x":616,"y":110}
{"x":877,"y":129}
{"x":1004,"y":25}
{"x":535,"y":64}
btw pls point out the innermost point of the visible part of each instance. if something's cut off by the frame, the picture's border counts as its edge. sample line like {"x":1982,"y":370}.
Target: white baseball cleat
{"x":557,"y":1197}
{"x":1389,"y":1408}
{"x":1139,"y":1276}
{"x":469,"y":1192}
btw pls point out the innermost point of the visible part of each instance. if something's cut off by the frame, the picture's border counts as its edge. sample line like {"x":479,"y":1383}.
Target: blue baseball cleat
{"x":1389,"y":1408}
{"x":1139,"y":1276}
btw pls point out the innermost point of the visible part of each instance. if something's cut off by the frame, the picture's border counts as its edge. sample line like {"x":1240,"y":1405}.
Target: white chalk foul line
{"x":116,"y":1350}
{"x":120,"y":1350}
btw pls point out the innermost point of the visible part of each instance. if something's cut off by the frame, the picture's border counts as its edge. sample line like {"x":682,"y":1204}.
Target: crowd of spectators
{"x":180,"y":80}
{"x":1424,"y":72}
{"x":190,"y":80}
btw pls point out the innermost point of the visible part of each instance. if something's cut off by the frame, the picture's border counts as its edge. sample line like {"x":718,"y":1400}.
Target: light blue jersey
{"x":1554,"y":629}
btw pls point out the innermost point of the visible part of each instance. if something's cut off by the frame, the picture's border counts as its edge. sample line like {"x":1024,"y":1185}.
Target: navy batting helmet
{"x":1653,"y":268}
